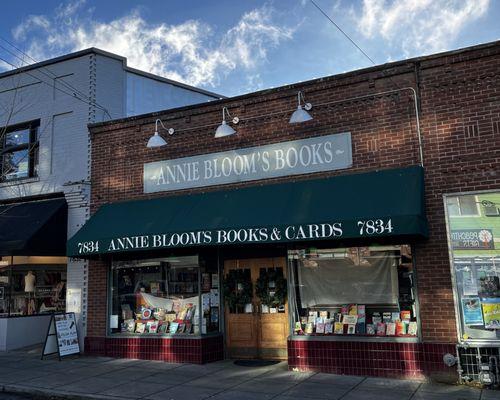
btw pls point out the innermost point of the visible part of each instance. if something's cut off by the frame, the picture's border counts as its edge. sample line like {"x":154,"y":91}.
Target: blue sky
{"x":235,"y":46}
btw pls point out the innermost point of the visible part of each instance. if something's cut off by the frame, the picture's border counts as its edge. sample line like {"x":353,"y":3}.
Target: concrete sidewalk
{"x":107,"y":378}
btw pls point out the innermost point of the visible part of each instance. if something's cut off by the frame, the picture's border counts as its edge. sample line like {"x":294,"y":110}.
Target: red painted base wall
{"x":177,"y":350}
{"x":402,"y":360}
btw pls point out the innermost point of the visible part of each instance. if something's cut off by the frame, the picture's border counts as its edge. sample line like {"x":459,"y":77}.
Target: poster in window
{"x":491,"y":313}
{"x":471,"y":310}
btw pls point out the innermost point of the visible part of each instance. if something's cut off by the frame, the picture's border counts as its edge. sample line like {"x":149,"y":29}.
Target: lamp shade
{"x":300,"y":115}
{"x":156,"y":141}
{"x":224,"y":130}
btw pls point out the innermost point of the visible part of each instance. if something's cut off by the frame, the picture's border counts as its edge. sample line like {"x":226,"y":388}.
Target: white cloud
{"x":189,"y":52}
{"x":418,"y":26}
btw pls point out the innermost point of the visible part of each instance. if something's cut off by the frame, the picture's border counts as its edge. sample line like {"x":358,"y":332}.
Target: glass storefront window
{"x":32,"y":289}
{"x":360,"y":291}
{"x":164,"y":296}
{"x":474,"y":241}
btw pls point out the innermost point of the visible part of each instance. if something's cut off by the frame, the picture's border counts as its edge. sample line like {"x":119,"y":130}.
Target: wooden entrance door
{"x":250,"y":333}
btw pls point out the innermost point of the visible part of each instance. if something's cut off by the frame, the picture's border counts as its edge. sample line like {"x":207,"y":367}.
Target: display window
{"x":474,"y":242}
{"x":356,"y":291}
{"x":32,"y":289}
{"x":164,"y":296}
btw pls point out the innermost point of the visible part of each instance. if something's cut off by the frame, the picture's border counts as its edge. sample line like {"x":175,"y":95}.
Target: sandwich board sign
{"x":62,"y":336}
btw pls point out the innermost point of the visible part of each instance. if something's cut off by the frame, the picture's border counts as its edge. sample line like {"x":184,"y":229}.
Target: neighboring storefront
{"x":32,"y":269}
{"x":319,"y":239}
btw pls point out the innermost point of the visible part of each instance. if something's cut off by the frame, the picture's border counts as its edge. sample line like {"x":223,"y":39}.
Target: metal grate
{"x":471,"y":358}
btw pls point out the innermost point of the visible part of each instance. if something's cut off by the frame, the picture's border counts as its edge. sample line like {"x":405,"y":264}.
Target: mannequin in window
{"x":29,"y":282}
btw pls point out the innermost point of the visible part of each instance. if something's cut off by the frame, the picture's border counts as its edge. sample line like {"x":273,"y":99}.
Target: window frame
{"x":460,"y":214}
{"x":32,"y":148}
{"x":358,"y":338}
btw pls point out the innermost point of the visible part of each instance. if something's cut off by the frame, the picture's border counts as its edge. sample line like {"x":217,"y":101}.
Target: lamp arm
{"x":161,"y":123}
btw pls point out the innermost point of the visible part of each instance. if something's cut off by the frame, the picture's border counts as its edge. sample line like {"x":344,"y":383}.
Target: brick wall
{"x":460,"y":122}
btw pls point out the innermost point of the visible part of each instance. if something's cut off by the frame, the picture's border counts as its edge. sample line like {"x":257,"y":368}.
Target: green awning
{"x":365,"y":205}
{"x":34,"y":228}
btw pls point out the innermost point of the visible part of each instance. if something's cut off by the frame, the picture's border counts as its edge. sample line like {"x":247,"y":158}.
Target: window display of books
{"x":353,"y":319}
{"x":160,"y":321}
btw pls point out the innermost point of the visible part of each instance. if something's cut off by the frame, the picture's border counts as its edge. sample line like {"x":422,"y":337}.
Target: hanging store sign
{"x":323,"y":153}
{"x":472,"y":239}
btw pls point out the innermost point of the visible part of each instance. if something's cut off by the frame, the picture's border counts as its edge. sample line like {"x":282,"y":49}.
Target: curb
{"x":42,"y":394}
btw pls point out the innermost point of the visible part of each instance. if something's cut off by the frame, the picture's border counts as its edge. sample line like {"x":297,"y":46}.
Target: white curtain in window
{"x":335,"y":282}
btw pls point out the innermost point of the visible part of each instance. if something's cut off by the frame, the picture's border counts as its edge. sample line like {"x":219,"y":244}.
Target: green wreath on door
{"x":237,"y":288}
{"x":263,"y":291}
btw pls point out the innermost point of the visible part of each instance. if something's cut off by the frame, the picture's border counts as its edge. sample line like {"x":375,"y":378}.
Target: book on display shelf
{"x":380,"y":329}
{"x":338,"y":328}
{"x":329,"y":326}
{"x":391,"y":329}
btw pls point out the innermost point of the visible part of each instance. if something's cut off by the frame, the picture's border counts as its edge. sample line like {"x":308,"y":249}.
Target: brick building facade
{"x":459,"y":113}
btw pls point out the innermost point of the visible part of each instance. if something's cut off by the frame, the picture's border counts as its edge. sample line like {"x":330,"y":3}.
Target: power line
{"x":351,"y":40}
{"x":342,"y":31}
{"x":68,"y":86}
{"x":53,"y":76}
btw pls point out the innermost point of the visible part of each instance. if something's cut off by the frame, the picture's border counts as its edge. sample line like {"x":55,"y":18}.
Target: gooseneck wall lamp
{"x":301,"y":114}
{"x":224,"y":129}
{"x":156,"y":140}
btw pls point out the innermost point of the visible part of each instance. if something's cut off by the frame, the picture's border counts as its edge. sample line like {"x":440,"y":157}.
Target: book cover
{"x":350,"y":319}
{"x":319,"y":320}
{"x":351,"y":329}
{"x":380,"y":329}
{"x":395,"y":317}
{"x":329,"y":326}
{"x":400,"y":328}
{"x":370,"y":329}
{"x":152,"y":326}
{"x":391,"y":329}
{"x":313,"y":314}
{"x":140,"y":327}
{"x":386,"y":317}
{"x":323,"y":314}
{"x":345,"y":309}
{"x":412,"y":328}
{"x":376,"y":318}
{"x":320,"y":327}
{"x":173,"y":327}
{"x":298,"y":328}
{"x":361,"y":313}
{"x":353,"y":309}
{"x":163,"y":328}
{"x":311,"y":319}
{"x":361,"y":328}
{"x":129,"y":325}
{"x":471,"y":311}
{"x":491,"y":312}
{"x":303,"y":320}
{"x":309,"y":328}
{"x":405,"y":315}
{"x":338,"y":317}
{"x":338,"y":328}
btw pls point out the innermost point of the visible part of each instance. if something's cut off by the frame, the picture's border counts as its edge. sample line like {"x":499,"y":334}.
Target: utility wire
{"x":351,"y":40}
{"x":53,"y":76}
{"x":342,"y":31}
{"x":48,"y":84}
{"x":86,"y":99}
